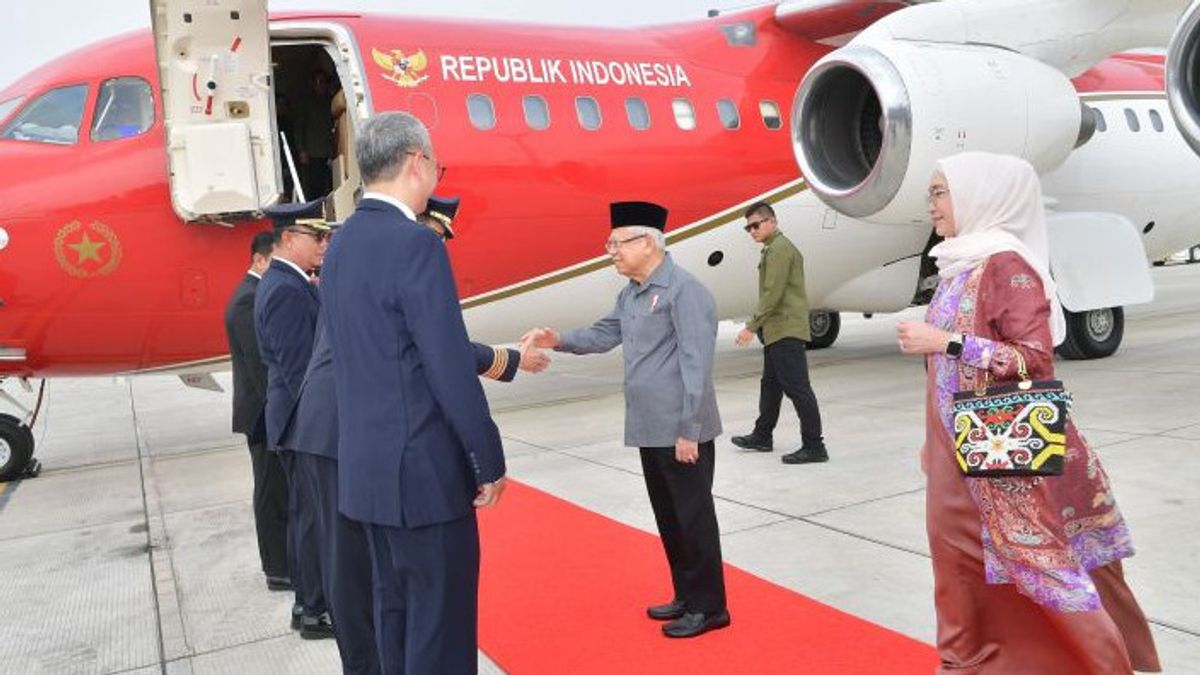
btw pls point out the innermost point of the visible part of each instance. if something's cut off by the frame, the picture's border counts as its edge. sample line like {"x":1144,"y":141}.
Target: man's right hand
{"x":546,"y":338}
{"x":488,"y":494}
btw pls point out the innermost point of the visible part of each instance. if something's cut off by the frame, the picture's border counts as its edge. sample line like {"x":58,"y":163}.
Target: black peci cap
{"x":630,"y":214}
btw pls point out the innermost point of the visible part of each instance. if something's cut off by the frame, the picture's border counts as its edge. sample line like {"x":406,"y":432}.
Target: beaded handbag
{"x":1016,"y":429}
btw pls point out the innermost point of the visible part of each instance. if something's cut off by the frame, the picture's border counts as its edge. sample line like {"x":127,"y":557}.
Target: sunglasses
{"x":754,"y":224}
{"x":319,"y":236}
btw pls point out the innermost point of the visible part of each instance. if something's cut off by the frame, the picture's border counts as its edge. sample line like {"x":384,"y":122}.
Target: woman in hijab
{"x":1027,"y":570}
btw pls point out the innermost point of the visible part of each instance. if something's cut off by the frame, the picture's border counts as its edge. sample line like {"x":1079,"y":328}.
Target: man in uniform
{"x":494,"y":363}
{"x":781,"y":322}
{"x":666,"y":321}
{"x":285,"y":317}
{"x":418,"y":451}
{"x":249,"y":401}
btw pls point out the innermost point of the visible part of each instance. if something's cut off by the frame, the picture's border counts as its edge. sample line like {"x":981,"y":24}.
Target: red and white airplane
{"x":135,"y":170}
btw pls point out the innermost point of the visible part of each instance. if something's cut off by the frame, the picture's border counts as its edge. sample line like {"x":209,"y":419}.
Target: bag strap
{"x":981,"y":384}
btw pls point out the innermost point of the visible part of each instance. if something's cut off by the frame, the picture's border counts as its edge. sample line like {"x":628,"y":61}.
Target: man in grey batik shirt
{"x":666,"y":321}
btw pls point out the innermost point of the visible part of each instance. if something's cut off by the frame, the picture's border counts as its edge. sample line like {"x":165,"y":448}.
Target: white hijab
{"x":997,"y":207}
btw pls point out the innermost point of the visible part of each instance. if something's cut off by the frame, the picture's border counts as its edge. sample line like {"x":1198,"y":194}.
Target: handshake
{"x":533,"y":359}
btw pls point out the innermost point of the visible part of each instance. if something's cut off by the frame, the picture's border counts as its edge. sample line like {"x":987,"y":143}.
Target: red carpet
{"x":564,"y":590}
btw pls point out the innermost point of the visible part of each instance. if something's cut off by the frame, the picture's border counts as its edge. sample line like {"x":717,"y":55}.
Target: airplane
{"x":137,"y":168}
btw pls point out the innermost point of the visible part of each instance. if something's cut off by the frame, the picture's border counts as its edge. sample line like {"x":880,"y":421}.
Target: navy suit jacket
{"x":285,"y":317}
{"x":249,"y":373}
{"x":313,"y":427}
{"x":415,"y":436}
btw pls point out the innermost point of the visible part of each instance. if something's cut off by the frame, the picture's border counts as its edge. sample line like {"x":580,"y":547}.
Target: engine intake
{"x":869,"y":120}
{"x":1183,"y":75}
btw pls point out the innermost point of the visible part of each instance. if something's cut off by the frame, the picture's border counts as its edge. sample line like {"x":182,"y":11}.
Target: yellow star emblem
{"x":86,"y":249}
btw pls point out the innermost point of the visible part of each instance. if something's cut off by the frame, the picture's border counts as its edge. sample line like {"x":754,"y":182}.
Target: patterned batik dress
{"x":1027,"y":571}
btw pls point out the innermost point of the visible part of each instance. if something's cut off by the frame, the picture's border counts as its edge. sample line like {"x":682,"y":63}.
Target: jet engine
{"x":1183,"y":75}
{"x":870,"y":119}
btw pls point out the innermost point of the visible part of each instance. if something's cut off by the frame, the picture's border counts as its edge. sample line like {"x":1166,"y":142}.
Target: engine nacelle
{"x":870,"y":119}
{"x":1183,"y":75}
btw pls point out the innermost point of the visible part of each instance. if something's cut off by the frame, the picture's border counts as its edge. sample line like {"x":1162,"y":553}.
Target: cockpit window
{"x":10,"y":105}
{"x":52,"y":117}
{"x":124,"y":108}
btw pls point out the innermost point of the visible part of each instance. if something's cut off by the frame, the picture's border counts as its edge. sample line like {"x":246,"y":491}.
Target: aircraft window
{"x":1101,"y":123}
{"x":1156,"y":120}
{"x":10,"y":105}
{"x":685,"y":114}
{"x":638,"y":113}
{"x":124,"y":108}
{"x":589,"y":112}
{"x":729,"y":114}
{"x":482,"y":112}
{"x":52,"y":117}
{"x":1132,"y":120}
{"x":770,"y":114}
{"x":740,"y":34}
{"x":537,"y":114}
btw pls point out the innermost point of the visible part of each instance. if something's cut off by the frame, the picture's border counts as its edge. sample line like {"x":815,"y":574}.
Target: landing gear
{"x":16,"y":448}
{"x":16,"y":439}
{"x":1093,"y":334}
{"x":824,"y":327}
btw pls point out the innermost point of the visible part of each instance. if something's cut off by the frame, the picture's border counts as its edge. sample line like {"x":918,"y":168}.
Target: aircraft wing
{"x":834,"y":21}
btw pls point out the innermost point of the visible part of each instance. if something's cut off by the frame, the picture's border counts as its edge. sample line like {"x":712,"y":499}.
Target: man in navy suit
{"x":417,"y":448}
{"x":285,"y":317}
{"x":249,"y":400}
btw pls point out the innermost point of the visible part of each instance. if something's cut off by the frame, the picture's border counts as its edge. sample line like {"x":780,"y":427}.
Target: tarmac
{"x":134,"y":551}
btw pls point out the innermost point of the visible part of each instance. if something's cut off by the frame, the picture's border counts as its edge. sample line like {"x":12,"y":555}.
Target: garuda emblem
{"x":85,"y":251}
{"x":404,"y":71}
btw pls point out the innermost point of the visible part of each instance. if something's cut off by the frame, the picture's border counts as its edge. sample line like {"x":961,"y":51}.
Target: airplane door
{"x":214,"y":63}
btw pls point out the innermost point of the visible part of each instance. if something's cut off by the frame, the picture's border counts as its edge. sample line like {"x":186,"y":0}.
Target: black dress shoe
{"x":807,"y":455}
{"x":695,"y":623}
{"x":279,"y":584}
{"x":671,"y":610}
{"x":297,"y":617}
{"x":316,"y":627}
{"x":753,"y":442}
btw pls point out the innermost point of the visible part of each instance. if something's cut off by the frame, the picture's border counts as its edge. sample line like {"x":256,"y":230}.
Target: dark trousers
{"x":345,"y":561}
{"x":785,"y":371}
{"x":270,"y":510}
{"x":302,"y":541}
{"x":681,"y":496}
{"x":426,"y":590}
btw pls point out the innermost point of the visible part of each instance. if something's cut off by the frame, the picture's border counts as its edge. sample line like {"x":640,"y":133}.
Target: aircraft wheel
{"x":825,"y":327}
{"x":1093,"y":334}
{"x":16,"y":447}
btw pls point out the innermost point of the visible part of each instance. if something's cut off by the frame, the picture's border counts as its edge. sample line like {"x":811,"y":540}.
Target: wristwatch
{"x":955,"y":346}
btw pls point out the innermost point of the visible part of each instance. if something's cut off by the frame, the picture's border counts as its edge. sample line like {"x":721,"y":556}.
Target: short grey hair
{"x":656,"y":235}
{"x":384,"y":143}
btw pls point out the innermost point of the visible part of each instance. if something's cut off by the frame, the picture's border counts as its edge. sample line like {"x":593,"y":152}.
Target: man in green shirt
{"x":781,"y":323}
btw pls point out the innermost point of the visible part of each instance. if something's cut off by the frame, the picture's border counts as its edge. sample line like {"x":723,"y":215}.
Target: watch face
{"x":954,"y":348}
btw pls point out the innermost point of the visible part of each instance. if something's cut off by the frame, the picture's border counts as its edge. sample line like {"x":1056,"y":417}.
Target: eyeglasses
{"x":753,"y":225}
{"x":613,"y":244}
{"x":936,"y":193}
{"x":319,"y":236}
{"x":437,"y":166}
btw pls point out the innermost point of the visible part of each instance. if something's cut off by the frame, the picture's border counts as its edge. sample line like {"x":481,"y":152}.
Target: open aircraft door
{"x":214,"y":64}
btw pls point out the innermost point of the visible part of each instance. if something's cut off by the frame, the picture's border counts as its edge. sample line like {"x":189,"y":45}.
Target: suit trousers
{"x":681,"y":496}
{"x":270,"y":510}
{"x":345,"y":562}
{"x":785,"y":371}
{"x":426,"y":590}
{"x":302,"y":540}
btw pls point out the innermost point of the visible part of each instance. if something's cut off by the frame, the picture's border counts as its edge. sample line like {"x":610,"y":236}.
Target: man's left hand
{"x":686,"y":451}
{"x":744,"y":337}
